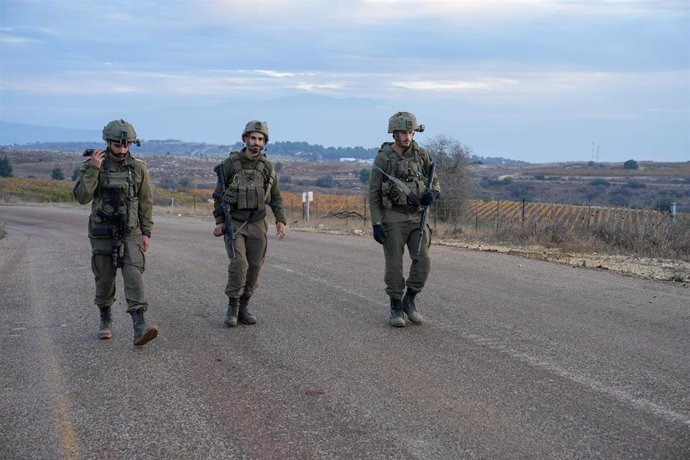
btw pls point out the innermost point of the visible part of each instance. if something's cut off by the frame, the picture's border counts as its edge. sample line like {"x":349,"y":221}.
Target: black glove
{"x":413,"y":199}
{"x":429,"y":197}
{"x":379,"y":234}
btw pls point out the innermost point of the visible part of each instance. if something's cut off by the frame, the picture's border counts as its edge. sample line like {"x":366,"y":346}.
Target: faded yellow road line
{"x":67,"y":438}
{"x":66,"y":433}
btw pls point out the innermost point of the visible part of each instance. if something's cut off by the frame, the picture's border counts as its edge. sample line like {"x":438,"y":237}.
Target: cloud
{"x":671,"y":110}
{"x":372,"y":12}
{"x":273,"y":73}
{"x":441,"y":85}
{"x":24,"y":35}
{"x":269,"y":83}
{"x":7,"y":39}
{"x":319,"y":88}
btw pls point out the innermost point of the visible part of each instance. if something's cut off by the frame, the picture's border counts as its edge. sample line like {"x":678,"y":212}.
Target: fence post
{"x":498,"y":205}
{"x":364,"y":214}
{"x":347,"y":210}
{"x":476,"y":217}
{"x":589,"y":213}
{"x":673,"y":212}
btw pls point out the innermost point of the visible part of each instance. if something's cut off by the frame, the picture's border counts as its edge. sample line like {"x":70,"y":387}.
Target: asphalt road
{"x":518,"y":358}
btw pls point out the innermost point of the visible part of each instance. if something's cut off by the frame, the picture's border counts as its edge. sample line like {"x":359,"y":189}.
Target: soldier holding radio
{"x":118,"y":187}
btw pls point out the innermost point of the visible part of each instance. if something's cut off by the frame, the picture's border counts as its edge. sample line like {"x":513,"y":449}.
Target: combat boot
{"x":231,"y":315}
{"x":397,"y":317}
{"x":410,"y":308}
{"x":244,"y":316}
{"x":143,"y":334}
{"x":104,"y":332}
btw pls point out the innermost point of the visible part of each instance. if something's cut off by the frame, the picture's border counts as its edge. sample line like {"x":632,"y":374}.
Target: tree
{"x":185,"y":182}
{"x":599,"y":182}
{"x":5,"y":167}
{"x":364,"y":175}
{"x":57,"y":174}
{"x":167,"y":183}
{"x":452,"y":168}
{"x":325,"y":181}
{"x":631,"y":164}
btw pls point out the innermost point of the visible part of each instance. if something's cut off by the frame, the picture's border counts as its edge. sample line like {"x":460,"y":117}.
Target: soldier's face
{"x":403,"y":138}
{"x":255,"y":142}
{"x":117,"y":148}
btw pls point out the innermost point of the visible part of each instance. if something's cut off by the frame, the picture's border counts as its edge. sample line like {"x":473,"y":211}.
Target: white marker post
{"x":306,"y":198}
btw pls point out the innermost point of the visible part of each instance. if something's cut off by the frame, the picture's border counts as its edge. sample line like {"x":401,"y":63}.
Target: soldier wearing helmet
{"x":247,"y":184}
{"x":398,"y":195}
{"x":118,"y":187}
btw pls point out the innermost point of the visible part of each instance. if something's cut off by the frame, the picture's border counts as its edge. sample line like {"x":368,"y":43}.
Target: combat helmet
{"x":256,"y":126}
{"x":120,"y":131}
{"x":404,"y":121}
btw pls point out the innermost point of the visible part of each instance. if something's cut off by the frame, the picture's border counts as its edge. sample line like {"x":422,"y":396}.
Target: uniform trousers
{"x":399,"y":235}
{"x":251,"y":242}
{"x":134,"y":264}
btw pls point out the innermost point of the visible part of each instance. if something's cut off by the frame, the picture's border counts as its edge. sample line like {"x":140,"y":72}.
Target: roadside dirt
{"x":650,"y":268}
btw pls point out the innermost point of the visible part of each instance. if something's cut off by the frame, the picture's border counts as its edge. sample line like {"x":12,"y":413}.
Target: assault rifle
{"x":425,"y":214}
{"x":225,"y":208}
{"x":118,"y":228}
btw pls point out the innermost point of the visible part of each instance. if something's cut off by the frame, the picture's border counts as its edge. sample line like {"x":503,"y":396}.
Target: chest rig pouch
{"x":116,"y":207}
{"x":248,"y":188}
{"x":408,"y":170}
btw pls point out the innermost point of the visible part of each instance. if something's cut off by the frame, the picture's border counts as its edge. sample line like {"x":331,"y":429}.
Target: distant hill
{"x":19,"y":134}
{"x":301,"y":150}
{"x":33,"y":137}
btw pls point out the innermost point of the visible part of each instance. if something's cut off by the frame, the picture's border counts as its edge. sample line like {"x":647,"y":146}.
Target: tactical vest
{"x":115,"y":198}
{"x":249,"y":189}
{"x":407,"y":169}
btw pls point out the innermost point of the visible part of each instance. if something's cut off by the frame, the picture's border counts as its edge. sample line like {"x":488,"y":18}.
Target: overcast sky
{"x":537,"y":80}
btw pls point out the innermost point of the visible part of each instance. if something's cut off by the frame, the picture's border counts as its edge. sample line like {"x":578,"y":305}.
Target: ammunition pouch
{"x":103,"y":231}
{"x":250,"y":197}
{"x":244,"y":194}
{"x":230,"y":197}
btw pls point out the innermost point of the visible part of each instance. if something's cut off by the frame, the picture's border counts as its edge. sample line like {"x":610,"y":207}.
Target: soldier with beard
{"x":398,"y":194}
{"x":247,"y":183}
{"x":120,"y":224}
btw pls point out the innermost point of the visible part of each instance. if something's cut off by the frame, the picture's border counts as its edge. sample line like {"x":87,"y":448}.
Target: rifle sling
{"x":395,"y":180}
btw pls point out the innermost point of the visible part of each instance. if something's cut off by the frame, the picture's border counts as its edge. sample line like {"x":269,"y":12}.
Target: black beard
{"x":254,"y":149}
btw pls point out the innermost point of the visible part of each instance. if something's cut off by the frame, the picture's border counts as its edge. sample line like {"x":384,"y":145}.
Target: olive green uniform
{"x":400,"y":220}
{"x":252,"y":185}
{"x":92,"y":185}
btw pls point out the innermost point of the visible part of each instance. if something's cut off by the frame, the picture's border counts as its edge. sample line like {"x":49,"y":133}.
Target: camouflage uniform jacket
{"x":134,"y":177}
{"x":388,"y":203}
{"x":251,"y":185}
